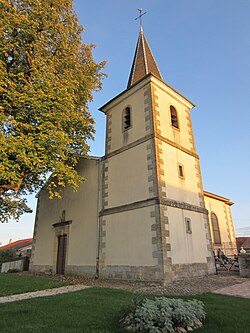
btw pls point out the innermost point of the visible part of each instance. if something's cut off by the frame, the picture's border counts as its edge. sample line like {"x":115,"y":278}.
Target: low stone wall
{"x":19,"y":265}
{"x":244,"y":264}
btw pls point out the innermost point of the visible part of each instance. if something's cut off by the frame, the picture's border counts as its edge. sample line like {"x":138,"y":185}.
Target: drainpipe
{"x":98,"y":217}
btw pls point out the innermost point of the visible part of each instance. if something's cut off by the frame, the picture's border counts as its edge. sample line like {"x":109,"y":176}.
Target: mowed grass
{"x":11,"y":284}
{"x":99,"y":310}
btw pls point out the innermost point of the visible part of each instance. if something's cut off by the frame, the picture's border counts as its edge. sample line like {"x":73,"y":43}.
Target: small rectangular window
{"x":188,"y":225}
{"x":181,"y":171}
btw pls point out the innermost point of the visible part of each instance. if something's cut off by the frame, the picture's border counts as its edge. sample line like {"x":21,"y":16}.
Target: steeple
{"x":144,"y":62}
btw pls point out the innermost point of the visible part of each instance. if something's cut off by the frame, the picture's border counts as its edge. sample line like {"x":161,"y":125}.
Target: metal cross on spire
{"x":140,"y":16}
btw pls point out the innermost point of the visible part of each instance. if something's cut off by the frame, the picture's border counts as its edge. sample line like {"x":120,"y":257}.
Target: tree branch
{"x":12,"y":2}
{"x":13,"y":186}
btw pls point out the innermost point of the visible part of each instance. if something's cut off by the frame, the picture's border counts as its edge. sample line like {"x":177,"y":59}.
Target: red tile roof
{"x":18,"y":244}
{"x":243,"y":241}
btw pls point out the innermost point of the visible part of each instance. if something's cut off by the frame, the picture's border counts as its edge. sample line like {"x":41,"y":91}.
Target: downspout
{"x":98,"y":217}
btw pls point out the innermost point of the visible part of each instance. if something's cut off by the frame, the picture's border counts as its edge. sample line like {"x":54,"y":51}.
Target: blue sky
{"x":202,"y":48}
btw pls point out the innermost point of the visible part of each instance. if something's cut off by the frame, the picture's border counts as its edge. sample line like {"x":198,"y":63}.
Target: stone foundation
{"x":211,"y":266}
{"x":136,"y":273}
{"x":139,"y":273}
{"x":154,"y":274}
{"x":69,"y":270}
{"x":181,"y":271}
{"x":81,"y":270}
{"x":41,"y":268}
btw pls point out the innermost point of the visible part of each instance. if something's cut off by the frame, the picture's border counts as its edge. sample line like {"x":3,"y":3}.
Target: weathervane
{"x":140,"y":16}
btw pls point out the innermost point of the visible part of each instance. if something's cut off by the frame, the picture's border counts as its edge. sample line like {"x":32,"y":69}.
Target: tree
{"x":47,"y":76}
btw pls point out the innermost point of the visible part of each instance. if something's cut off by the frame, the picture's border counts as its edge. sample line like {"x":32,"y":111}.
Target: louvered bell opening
{"x":174,"y":118}
{"x":127,"y":118}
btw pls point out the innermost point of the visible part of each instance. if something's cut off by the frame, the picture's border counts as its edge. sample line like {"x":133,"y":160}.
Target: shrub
{"x":6,"y":255}
{"x":13,"y":270}
{"x":165,"y":315}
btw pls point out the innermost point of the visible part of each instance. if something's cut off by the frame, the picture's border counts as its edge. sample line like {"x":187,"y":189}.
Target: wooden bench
{"x":226,"y":262}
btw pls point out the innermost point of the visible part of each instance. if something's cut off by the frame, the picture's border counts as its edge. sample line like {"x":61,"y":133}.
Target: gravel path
{"x":42,"y":293}
{"x":226,"y":284}
{"x":239,"y":290}
{"x":190,"y":286}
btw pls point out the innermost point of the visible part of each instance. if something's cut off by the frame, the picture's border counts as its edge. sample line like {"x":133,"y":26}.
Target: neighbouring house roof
{"x":218,"y":197}
{"x":243,"y":241}
{"x":18,"y":244}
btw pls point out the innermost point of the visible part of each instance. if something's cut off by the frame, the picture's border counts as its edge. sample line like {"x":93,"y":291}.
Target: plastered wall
{"x":182,"y":189}
{"x":223,"y":212}
{"x":187,"y":247}
{"x":80,"y":208}
{"x":133,"y":98}
{"x":128,"y":176}
{"x":165,"y":98}
{"x":129,"y":238}
{"x":175,"y":146}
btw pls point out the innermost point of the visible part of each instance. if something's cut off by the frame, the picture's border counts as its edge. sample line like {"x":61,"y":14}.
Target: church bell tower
{"x":153,"y":221}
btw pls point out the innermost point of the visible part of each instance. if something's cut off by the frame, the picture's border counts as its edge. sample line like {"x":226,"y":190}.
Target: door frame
{"x":62,"y":244}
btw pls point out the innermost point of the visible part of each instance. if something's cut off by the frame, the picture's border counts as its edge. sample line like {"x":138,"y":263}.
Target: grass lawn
{"x":11,"y":284}
{"x":98,"y":310}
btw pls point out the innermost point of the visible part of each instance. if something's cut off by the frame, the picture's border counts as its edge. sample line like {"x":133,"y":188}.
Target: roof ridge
{"x":153,"y":58}
{"x":144,"y":51}
{"x":15,"y":243}
{"x":132,"y":73}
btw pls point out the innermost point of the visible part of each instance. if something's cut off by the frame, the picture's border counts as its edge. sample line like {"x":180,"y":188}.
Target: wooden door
{"x":61,"y":254}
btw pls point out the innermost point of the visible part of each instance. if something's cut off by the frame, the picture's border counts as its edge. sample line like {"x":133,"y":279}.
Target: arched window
{"x":174,"y":118}
{"x":215,"y":229}
{"x":126,"y":118}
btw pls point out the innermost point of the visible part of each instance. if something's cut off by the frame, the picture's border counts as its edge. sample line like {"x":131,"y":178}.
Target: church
{"x":142,"y":212}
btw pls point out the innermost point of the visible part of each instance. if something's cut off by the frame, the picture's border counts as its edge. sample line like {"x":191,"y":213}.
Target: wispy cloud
{"x":242,"y":232}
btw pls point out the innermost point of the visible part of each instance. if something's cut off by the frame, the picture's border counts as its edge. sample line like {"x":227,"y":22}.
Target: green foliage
{"x":187,"y":313}
{"x":47,"y":76}
{"x":165,"y":315}
{"x":7,"y":254}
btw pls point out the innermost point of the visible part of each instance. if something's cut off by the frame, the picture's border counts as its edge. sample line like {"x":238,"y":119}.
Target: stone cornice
{"x":182,"y":205}
{"x":146,"y":138}
{"x":130,"y":145}
{"x":151,"y":202}
{"x":176,"y":145}
{"x":61,"y":224}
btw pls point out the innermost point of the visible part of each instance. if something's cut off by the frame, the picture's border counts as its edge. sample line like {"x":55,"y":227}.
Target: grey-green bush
{"x":165,"y":315}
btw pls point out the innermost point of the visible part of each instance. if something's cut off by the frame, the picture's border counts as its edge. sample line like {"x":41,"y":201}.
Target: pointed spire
{"x":144,"y":62}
